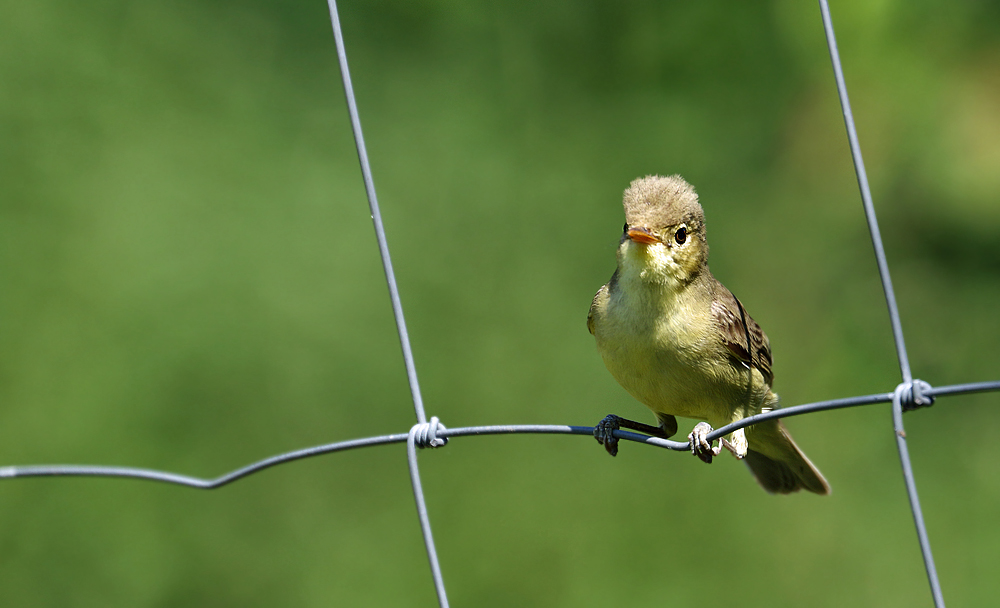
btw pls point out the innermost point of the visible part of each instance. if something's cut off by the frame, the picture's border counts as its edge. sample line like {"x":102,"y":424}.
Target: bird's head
{"x":664,"y":235}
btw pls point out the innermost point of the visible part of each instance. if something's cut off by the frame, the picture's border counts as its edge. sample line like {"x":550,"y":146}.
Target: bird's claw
{"x":700,"y":446}
{"x":604,"y":433}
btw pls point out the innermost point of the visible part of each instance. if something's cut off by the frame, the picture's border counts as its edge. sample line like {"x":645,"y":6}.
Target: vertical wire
{"x":397,"y":308}
{"x":911,"y":492}
{"x":890,"y":299}
{"x":383,"y":246}
{"x":866,"y":196}
{"x":425,"y":522}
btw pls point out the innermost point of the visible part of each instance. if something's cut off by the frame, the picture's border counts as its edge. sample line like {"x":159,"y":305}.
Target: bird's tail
{"x":778,"y":464}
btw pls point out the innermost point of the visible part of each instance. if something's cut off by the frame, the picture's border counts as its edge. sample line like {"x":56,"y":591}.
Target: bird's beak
{"x":642,"y":235}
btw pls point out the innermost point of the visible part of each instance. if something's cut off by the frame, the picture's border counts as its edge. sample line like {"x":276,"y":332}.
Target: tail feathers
{"x":778,"y":464}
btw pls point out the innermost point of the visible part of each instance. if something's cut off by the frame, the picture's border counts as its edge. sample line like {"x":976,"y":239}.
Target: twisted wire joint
{"x":913,"y":394}
{"x":425,"y":434}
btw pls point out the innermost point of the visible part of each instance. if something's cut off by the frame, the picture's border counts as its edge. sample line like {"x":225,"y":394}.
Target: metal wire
{"x":954,"y":389}
{"x":397,"y":306}
{"x":890,"y":300}
{"x":432,"y":434}
{"x":70,"y":470}
{"x":866,"y":195}
{"x":425,"y":523}
{"x":911,"y":493}
{"x":383,"y":244}
{"x":73,"y":470}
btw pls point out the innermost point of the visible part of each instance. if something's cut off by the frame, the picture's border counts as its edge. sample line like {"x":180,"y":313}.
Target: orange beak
{"x":641,"y":235}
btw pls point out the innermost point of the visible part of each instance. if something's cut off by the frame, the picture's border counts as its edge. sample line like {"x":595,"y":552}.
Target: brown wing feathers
{"x":741,"y":334}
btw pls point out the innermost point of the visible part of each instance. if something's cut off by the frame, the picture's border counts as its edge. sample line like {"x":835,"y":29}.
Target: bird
{"x":683,"y":345}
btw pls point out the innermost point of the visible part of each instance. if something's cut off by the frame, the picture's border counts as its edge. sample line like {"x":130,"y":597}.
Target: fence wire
{"x":909,"y":394}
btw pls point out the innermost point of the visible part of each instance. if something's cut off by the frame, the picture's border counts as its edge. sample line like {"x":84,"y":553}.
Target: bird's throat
{"x":653,"y":265}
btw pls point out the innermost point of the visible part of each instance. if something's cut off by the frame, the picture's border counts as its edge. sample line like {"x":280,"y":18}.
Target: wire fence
{"x":908,"y":395}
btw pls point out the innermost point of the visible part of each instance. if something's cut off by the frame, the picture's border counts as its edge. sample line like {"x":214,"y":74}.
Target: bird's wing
{"x":593,"y":308}
{"x":738,"y":329}
{"x":605,"y":289}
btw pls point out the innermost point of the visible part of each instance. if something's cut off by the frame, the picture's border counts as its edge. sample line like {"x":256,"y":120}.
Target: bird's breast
{"x":663,"y":349}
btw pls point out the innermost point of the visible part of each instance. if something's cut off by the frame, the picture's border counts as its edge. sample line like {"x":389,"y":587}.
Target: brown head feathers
{"x":656,"y":202}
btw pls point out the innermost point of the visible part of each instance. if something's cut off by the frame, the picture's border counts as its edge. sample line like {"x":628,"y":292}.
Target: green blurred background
{"x":189,"y":281}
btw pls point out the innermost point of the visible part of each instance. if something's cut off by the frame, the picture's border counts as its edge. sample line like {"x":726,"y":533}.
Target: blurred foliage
{"x":189,"y":281}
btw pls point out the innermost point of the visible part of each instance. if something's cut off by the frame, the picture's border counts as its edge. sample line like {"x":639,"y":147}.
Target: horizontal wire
{"x":798,"y":410}
{"x":955,"y":389}
{"x":72,"y":470}
{"x":75,"y":470}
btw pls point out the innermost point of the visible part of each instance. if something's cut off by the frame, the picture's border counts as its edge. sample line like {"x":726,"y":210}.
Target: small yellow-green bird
{"x":681,"y":343}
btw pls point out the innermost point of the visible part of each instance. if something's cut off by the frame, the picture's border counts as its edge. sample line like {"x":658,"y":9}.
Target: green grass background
{"x":189,"y":281}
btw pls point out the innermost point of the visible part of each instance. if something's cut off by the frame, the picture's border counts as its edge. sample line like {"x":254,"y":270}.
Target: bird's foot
{"x":700,"y":446}
{"x":738,"y":446}
{"x":604,"y":433}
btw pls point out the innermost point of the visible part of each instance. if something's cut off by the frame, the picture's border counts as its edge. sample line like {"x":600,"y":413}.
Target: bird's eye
{"x":681,"y":235}
{"x":625,"y":227}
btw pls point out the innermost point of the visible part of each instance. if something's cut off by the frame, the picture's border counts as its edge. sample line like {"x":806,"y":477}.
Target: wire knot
{"x":425,"y":435}
{"x":912,"y":395}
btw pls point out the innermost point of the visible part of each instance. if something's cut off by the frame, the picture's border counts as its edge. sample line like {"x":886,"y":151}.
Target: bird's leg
{"x":604,"y":431}
{"x":738,"y":446}
{"x":700,"y":446}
